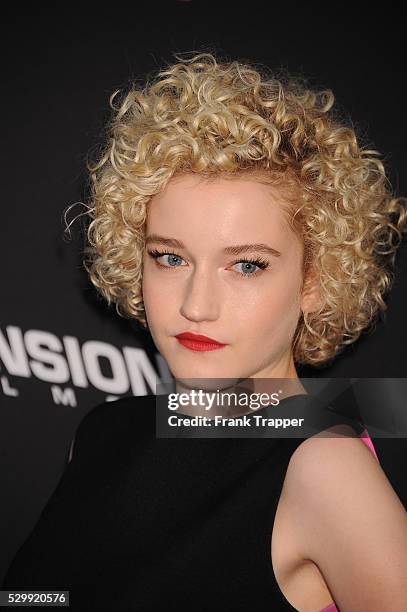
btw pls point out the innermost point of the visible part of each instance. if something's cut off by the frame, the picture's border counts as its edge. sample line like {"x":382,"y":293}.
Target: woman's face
{"x":199,"y":287}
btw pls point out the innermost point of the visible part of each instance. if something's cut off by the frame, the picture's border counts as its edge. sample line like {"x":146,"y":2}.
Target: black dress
{"x":139,"y":523}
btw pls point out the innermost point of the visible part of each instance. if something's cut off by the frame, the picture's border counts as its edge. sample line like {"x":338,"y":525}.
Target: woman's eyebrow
{"x":237,"y":249}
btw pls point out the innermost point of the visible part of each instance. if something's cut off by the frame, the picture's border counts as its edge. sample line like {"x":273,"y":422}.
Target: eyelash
{"x":261,"y":263}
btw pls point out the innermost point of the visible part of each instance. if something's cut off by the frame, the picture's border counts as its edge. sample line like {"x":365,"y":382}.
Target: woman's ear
{"x":311,"y":295}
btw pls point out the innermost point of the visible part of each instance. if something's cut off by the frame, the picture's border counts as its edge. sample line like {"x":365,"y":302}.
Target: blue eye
{"x":248,"y":265}
{"x":248,"y":271}
{"x":173,"y":258}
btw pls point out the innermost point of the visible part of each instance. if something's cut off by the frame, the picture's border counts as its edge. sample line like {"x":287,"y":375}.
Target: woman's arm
{"x":350,"y":523}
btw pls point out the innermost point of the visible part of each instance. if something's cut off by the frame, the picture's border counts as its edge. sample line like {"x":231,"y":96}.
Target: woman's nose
{"x":200,"y":299}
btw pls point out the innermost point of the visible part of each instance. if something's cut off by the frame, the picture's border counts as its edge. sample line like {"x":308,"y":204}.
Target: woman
{"x":236,"y":206}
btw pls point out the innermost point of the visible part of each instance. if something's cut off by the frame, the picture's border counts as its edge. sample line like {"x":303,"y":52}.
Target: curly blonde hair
{"x":232,"y":119}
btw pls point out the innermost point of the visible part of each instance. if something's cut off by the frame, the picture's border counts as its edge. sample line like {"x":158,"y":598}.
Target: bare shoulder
{"x":350,"y":521}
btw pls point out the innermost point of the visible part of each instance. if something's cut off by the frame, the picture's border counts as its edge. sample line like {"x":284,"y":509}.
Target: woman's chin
{"x":207,"y":383}
{"x":207,"y":379}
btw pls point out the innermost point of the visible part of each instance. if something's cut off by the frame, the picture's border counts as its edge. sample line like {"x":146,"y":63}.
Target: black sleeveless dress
{"x":139,"y":523}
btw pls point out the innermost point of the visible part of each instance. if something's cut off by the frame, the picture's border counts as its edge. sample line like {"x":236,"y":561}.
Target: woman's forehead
{"x":231,"y":205}
{"x":225,"y":227}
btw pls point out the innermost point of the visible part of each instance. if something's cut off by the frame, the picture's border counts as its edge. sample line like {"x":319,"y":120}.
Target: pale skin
{"x":334,"y":537}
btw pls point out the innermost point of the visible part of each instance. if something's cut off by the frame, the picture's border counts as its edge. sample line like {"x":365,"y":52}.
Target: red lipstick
{"x":198,"y":342}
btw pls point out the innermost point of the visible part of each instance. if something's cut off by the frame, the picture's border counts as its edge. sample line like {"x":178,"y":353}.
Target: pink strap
{"x":330,"y":608}
{"x":367,"y":440}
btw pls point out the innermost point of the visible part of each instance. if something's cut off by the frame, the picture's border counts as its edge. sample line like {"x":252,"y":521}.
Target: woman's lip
{"x":198,"y":338}
{"x":196,"y":345}
{"x":198,"y":342}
